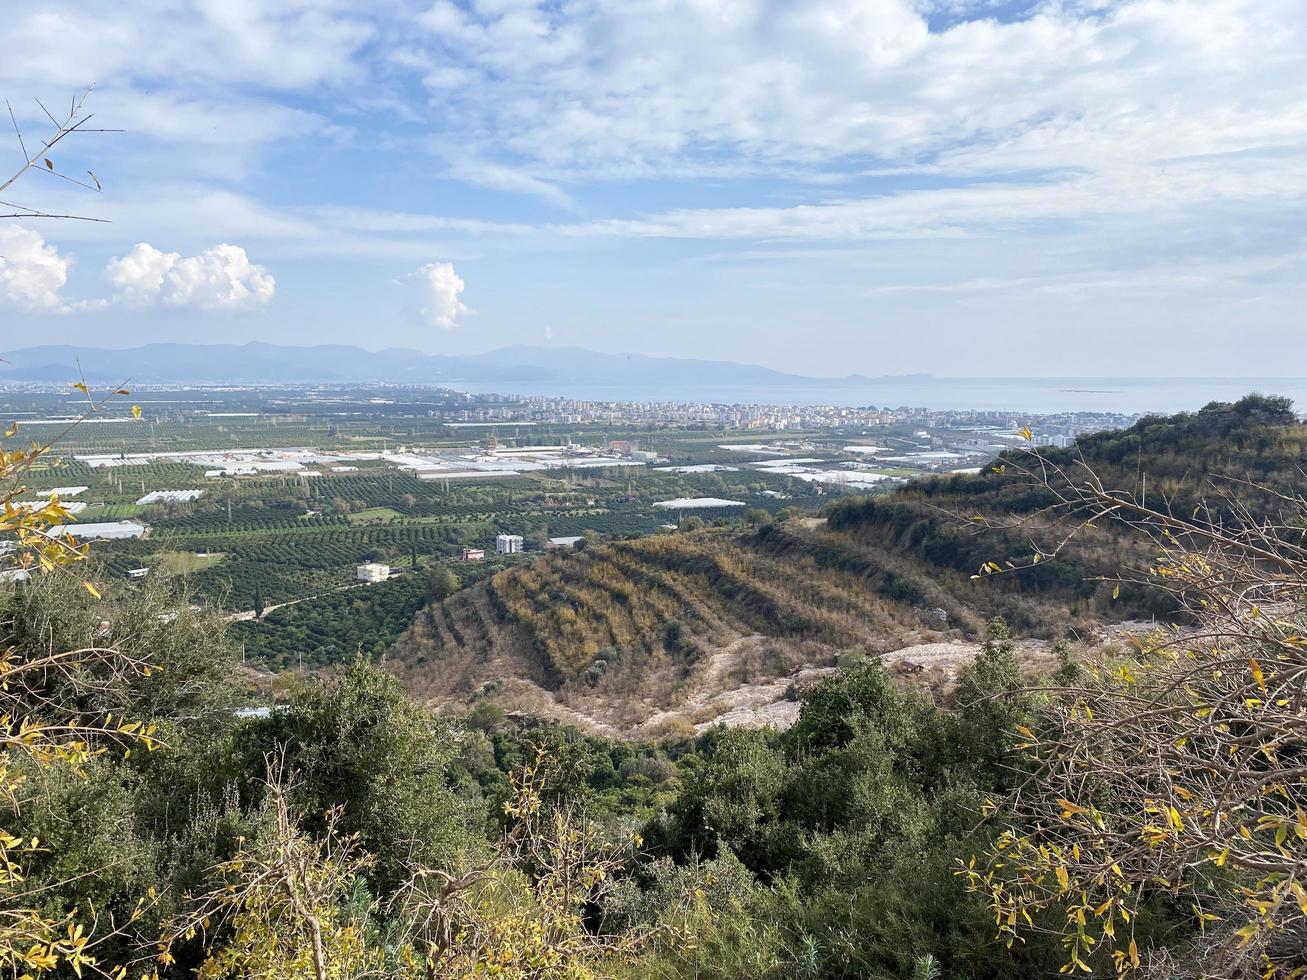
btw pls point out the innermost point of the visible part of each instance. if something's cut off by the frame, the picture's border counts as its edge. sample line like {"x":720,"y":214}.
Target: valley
{"x":670,"y":577}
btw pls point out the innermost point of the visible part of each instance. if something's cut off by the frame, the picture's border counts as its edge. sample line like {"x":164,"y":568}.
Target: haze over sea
{"x":1039,"y":396}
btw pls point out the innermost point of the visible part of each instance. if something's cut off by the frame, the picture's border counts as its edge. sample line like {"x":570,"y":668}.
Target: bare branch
{"x":1180,"y":767}
{"x":75,"y":122}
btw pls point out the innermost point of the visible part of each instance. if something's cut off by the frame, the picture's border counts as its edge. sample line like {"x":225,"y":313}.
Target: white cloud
{"x":222,"y":277}
{"x":219,"y":278}
{"x":692,"y":87}
{"x":483,"y":173}
{"x":434,"y":291}
{"x":286,"y":46}
{"x":138,"y":276}
{"x":31,"y":272}
{"x":1196,"y":188}
{"x":930,"y":142}
{"x":537,"y":98}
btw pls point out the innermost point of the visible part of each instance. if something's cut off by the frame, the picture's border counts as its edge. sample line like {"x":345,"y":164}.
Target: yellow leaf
{"x":1069,"y":809}
{"x":91,"y":589}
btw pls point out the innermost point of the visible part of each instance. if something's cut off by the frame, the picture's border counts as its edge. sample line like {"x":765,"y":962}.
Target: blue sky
{"x":963,"y":187}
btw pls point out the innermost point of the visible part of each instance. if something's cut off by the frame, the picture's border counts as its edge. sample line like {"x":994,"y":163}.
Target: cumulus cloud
{"x":433,"y":294}
{"x":31,"y":272}
{"x":219,"y":278}
{"x":138,"y":276}
{"x":222,"y":277}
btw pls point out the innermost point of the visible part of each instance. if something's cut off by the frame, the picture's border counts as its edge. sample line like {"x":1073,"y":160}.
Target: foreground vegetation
{"x":750,"y":841}
{"x":1139,"y":813}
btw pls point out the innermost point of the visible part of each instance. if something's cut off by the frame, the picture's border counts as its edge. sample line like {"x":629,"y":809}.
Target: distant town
{"x":1056,"y":430}
{"x":480,"y":411}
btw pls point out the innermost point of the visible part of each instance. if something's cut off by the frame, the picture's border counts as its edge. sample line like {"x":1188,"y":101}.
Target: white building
{"x":566,"y":542}
{"x":508,"y":544}
{"x":473,"y":554}
{"x":697,"y":503}
{"x":107,"y":529}
{"x":373,"y":572}
{"x":174,"y":496}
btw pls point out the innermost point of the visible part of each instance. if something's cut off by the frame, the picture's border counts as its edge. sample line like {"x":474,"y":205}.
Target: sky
{"x":960,"y":187}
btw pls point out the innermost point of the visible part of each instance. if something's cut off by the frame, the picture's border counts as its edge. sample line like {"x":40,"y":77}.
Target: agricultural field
{"x":290,"y":490}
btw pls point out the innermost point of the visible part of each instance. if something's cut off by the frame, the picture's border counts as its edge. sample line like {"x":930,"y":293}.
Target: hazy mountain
{"x":271,"y":363}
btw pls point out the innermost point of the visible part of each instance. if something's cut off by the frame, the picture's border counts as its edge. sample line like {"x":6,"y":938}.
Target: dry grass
{"x":666,"y":632}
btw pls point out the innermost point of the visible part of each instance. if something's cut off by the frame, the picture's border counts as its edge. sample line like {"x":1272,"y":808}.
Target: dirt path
{"x":247,"y":614}
{"x":952,"y":655}
{"x":715,"y":700}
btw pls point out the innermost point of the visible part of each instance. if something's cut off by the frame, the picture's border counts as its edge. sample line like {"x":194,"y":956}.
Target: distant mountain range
{"x":332,"y":363}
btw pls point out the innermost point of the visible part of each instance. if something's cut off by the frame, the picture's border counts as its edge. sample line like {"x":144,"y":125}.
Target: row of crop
{"x":116,"y":484}
{"x":344,"y":624}
{"x":238,"y":584}
{"x":249,"y":516}
{"x":614,"y":523}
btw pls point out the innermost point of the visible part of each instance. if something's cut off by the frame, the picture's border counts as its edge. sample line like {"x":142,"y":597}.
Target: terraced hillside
{"x":614,"y":634}
{"x":617,"y":634}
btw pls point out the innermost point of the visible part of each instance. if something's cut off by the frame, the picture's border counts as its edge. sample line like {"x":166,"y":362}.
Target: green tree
{"x":358,"y":740}
{"x":991,"y":704}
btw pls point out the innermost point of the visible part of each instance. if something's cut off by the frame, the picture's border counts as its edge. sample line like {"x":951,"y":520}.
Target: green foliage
{"x":358,"y":741}
{"x":190,"y":686}
{"x":335,"y":628}
{"x":829,"y":850}
{"x":934,"y":522}
{"x":850,"y":819}
{"x":991,"y":704}
{"x":826,"y":851}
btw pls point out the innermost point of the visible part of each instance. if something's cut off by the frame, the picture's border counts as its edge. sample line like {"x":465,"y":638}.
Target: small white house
{"x":373,"y":572}
{"x":137,"y":572}
{"x":565,"y":542}
{"x":474,"y":554}
{"x":508,"y":544}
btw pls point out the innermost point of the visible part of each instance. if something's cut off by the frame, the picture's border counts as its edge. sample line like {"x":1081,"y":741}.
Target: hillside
{"x":273,"y":363}
{"x":679,"y":629}
{"x":1226,"y":460}
{"x":622,"y":635}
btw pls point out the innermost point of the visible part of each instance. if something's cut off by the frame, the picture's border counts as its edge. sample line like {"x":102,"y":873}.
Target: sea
{"x":1034,"y":396}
